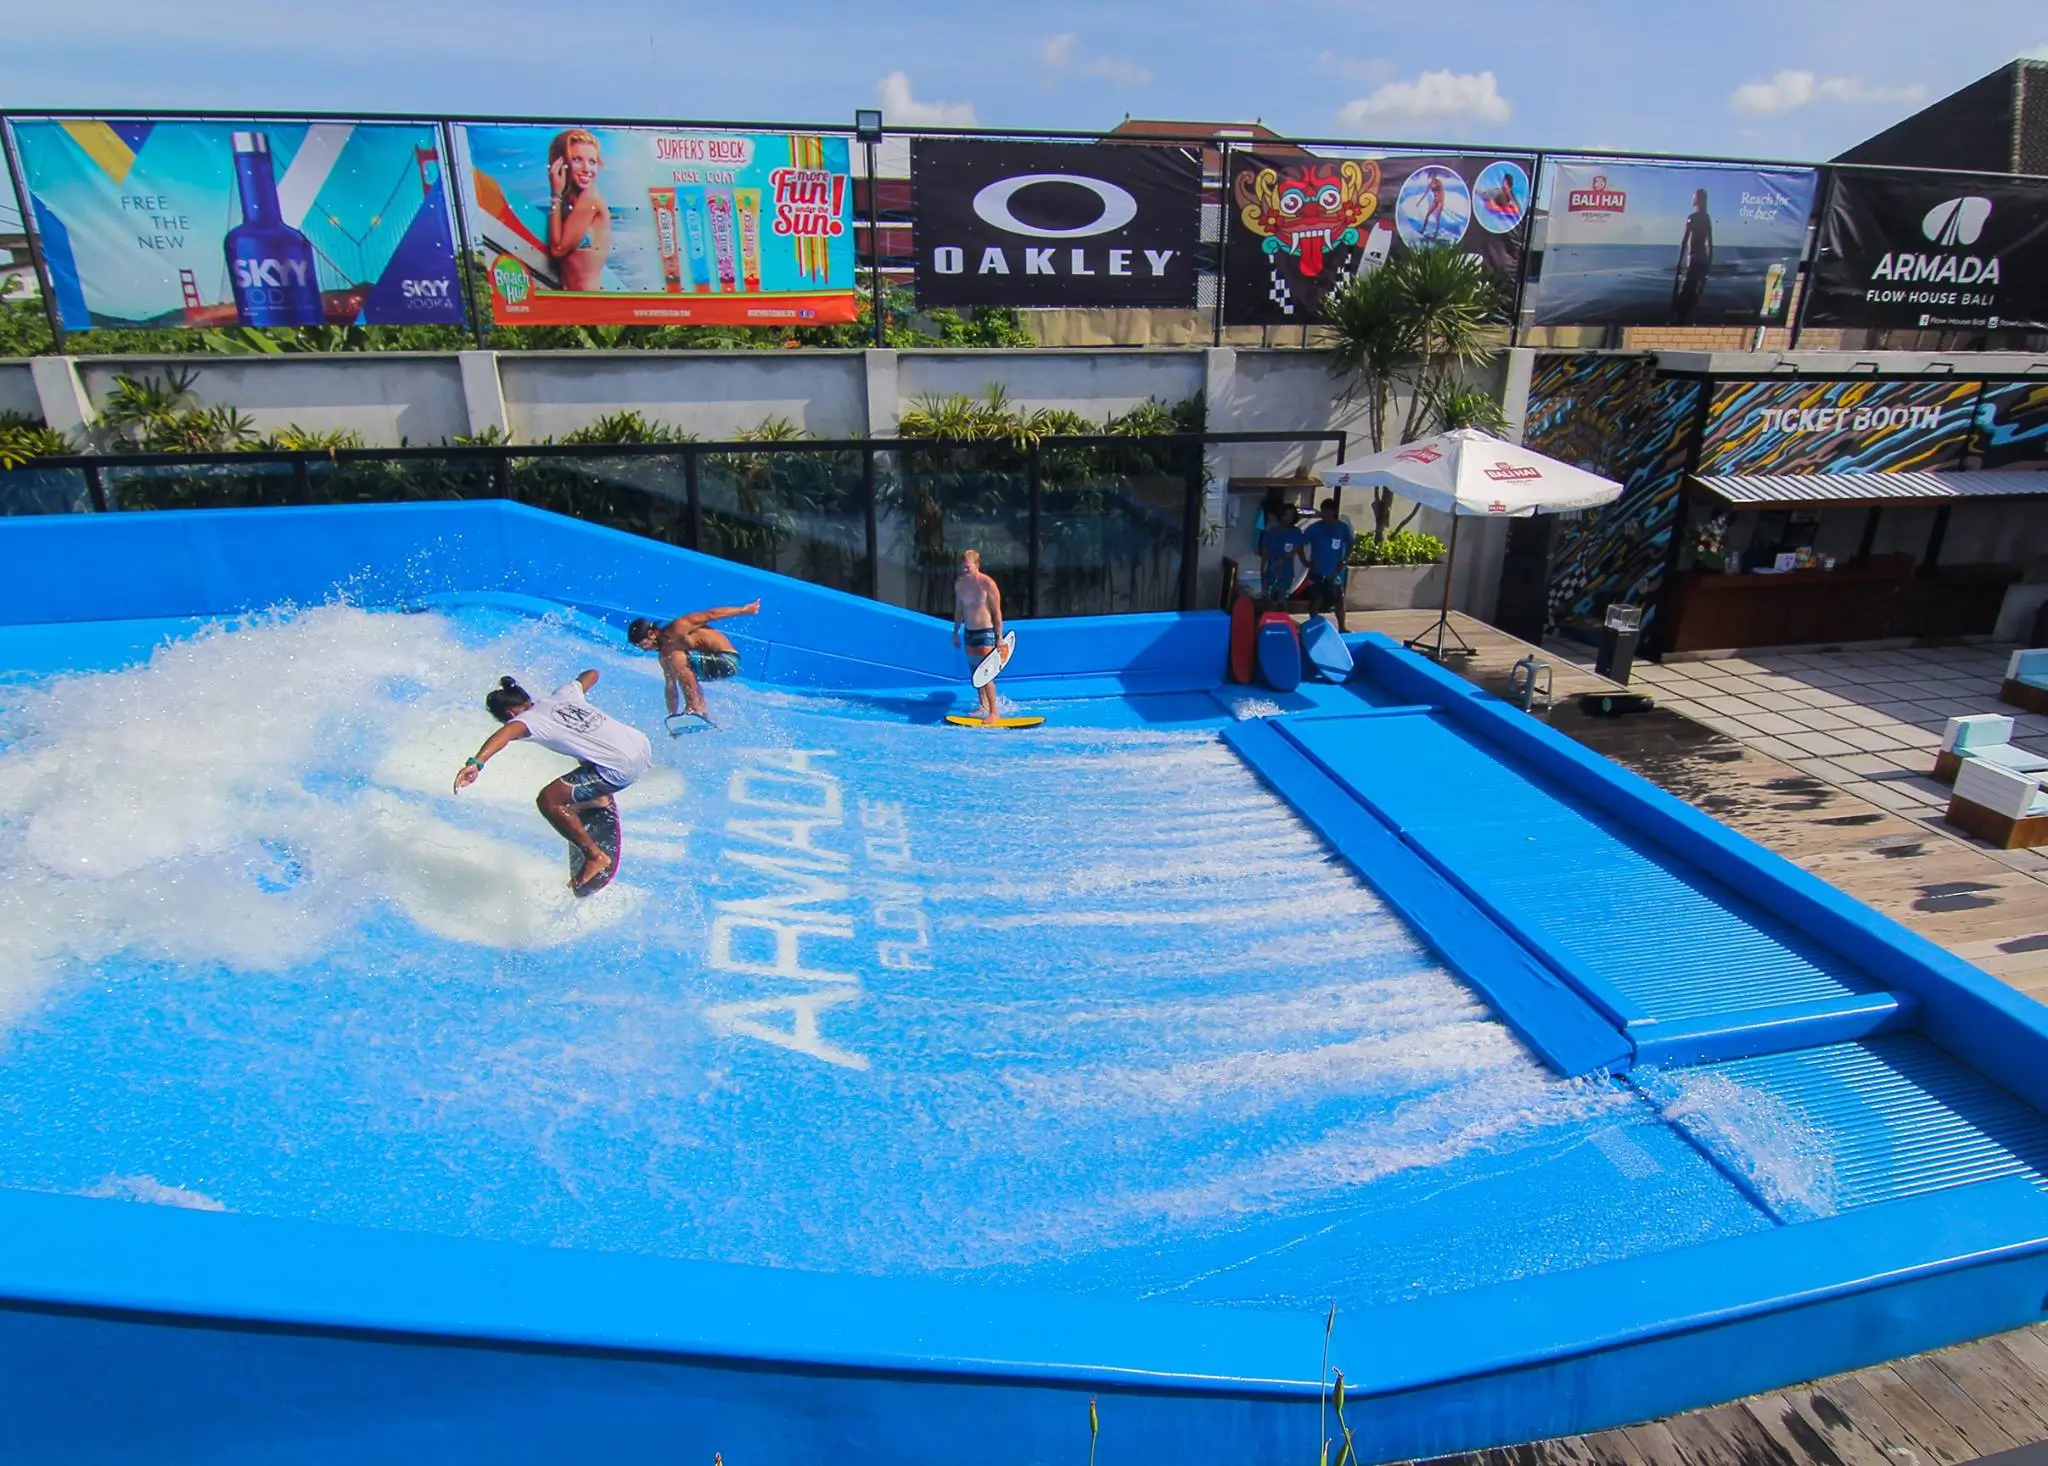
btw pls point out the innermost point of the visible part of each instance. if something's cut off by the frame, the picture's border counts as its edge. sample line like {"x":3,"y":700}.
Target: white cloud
{"x":1787,"y":91}
{"x":905,"y":110}
{"x":1441,"y":100}
{"x":2035,"y":53}
{"x":1119,"y":73}
{"x":1060,"y":53}
{"x":1354,"y":68}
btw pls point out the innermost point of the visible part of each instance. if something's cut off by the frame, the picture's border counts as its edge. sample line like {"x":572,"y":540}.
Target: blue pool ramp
{"x":1543,"y":875}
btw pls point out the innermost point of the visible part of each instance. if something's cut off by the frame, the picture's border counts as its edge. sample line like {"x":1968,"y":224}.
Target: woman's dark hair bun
{"x":507,"y":683}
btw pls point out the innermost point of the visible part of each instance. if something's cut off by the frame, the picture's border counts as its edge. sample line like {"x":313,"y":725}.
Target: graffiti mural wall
{"x":1613,"y":416}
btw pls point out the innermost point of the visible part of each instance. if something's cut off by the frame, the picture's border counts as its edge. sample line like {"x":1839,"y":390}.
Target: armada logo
{"x":1959,"y":221}
{"x":1952,"y":224}
{"x":1507,"y":471}
{"x":1599,"y":198}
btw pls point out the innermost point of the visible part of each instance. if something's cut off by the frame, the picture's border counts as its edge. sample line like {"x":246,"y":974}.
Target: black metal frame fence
{"x":443,"y":123}
{"x":1092,"y":524}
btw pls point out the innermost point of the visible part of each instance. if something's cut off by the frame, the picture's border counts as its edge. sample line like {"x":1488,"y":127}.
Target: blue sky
{"x":1782,"y":78}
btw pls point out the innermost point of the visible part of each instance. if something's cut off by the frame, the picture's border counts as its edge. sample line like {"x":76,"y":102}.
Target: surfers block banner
{"x":653,"y":226}
{"x":1299,"y":228}
{"x":227,"y":223}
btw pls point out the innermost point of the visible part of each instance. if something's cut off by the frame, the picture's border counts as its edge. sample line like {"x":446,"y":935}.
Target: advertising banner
{"x":1055,"y":224}
{"x":224,"y":223}
{"x":1932,"y":251}
{"x":1671,"y":244}
{"x":1299,"y":227}
{"x":654,"y":226}
{"x":1837,"y":427}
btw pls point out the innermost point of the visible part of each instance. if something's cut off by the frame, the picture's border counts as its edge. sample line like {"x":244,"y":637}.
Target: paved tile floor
{"x":1865,"y":720}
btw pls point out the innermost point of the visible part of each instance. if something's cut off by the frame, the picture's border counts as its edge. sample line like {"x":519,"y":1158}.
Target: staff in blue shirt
{"x":1282,"y":553}
{"x":1329,"y":553}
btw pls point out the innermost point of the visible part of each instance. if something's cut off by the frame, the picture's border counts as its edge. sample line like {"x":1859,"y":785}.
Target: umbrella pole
{"x":1443,"y":615}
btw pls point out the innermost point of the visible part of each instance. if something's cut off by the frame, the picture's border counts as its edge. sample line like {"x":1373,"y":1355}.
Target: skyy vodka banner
{"x":225,"y":223}
{"x":653,"y":226}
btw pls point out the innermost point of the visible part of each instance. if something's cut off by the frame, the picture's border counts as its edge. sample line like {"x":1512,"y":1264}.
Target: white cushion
{"x":2002,"y":791}
{"x":1977,"y":730}
{"x":2022,"y":666}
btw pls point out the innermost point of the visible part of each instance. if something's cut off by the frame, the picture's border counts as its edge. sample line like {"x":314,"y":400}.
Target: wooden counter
{"x":1881,"y":597}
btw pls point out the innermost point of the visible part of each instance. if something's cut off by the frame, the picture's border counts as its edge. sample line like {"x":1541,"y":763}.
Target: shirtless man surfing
{"x":690,"y":649}
{"x":978,"y":605}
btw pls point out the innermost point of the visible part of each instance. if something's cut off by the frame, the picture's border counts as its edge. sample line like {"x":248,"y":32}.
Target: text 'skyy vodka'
{"x":270,"y":263}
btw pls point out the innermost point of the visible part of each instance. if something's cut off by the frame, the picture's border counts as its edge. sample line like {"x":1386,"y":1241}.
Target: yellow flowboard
{"x":960,"y":721}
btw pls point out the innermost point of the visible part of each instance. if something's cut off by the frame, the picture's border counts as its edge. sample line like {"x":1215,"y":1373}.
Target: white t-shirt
{"x":567,"y":724}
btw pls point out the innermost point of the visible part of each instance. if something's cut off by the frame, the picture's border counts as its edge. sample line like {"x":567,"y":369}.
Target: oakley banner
{"x":1055,"y":224}
{"x":1670,"y":244}
{"x":1932,"y":252}
{"x":1300,"y":227}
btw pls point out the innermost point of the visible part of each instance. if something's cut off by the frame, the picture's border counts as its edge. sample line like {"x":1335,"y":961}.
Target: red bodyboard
{"x":1244,"y":640}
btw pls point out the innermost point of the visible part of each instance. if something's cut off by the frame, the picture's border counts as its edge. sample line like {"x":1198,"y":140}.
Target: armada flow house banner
{"x":252,"y":223}
{"x":1932,"y":252}
{"x":1670,"y":244}
{"x":1085,"y":225}
{"x":1299,"y":227}
{"x":655,"y":226}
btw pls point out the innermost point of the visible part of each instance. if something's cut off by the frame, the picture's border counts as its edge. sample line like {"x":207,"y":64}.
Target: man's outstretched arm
{"x":696,"y":619}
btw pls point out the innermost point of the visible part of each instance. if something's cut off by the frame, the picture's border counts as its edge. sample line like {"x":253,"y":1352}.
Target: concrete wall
{"x":18,"y":389}
{"x":712,"y":394}
{"x":427,"y":398}
{"x":389,"y":397}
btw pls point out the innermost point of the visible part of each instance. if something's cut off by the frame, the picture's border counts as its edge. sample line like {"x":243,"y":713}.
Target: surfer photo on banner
{"x":1283,"y":558}
{"x":692,"y":652}
{"x":978,"y":607}
{"x":610,"y":755}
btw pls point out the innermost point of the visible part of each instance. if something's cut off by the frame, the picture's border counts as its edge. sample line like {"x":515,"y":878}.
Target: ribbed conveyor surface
{"x":1663,"y":940}
{"x":1898,"y":1116}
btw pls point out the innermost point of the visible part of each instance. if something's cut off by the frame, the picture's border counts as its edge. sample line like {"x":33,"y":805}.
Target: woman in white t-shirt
{"x":610,"y":755}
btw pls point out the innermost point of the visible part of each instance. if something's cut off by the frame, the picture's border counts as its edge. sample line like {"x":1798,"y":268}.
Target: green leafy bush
{"x":23,"y":438}
{"x":1402,"y":547}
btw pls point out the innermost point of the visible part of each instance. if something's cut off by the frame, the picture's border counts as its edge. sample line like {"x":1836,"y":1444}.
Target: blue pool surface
{"x":912,"y":1085}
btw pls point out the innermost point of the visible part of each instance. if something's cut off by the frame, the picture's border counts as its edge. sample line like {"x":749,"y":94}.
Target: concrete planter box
{"x":1394,"y":587}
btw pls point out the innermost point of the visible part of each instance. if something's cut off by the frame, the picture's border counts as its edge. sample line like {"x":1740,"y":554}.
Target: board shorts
{"x":710,"y":666}
{"x":1324,"y":592}
{"x":588,"y":783}
{"x":981,"y":638}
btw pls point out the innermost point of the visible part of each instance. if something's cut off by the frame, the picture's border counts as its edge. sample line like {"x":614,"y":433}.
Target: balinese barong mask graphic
{"x":1309,"y":209}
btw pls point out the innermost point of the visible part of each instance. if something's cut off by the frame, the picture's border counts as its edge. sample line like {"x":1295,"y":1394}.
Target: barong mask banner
{"x":1667,"y":244}
{"x":1055,"y":224}
{"x":226,"y":223}
{"x":650,"y":226}
{"x":1299,"y":227}
{"x":1932,"y":252}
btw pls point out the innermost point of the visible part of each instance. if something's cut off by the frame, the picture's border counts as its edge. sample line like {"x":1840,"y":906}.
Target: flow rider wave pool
{"x":911,"y":1090}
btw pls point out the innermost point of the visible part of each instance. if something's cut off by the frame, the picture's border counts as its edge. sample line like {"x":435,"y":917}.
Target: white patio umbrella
{"x":1467,"y":472}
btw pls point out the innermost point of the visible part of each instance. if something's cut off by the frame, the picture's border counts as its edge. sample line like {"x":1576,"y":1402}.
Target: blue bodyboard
{"x":1279,"y":655}
{"x":1328,"y":657}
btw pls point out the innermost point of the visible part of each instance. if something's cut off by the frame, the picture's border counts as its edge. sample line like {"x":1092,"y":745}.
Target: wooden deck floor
{"x":1936,"y":1409}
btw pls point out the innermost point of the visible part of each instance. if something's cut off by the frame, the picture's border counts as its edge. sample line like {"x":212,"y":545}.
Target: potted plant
{"x":1402,"y":572}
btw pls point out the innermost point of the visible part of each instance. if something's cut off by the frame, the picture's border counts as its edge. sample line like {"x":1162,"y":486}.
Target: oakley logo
{"x":1117,"y":207}
{"x":1956,"y":222}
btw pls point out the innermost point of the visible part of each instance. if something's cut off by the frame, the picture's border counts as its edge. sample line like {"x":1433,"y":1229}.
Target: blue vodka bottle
{"x":269,"y":262}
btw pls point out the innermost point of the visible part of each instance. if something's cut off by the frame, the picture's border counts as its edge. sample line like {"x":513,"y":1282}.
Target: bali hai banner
{"x":1670,"y":244}
{"x":225,"y":223}
{"x":1932,"y":252}
{"x":1086,"y":225}
{"x":650,"y":226}
{"x":1298,"y":227}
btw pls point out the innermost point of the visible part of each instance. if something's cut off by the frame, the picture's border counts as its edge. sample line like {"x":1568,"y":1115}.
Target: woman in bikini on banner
{"x":579,"y":223}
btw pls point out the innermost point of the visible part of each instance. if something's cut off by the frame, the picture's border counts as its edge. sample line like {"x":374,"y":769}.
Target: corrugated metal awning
{"x":1869,"y":488}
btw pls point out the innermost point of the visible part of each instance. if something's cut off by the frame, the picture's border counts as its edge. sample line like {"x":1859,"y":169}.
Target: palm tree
{"x":1416,"y":321}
